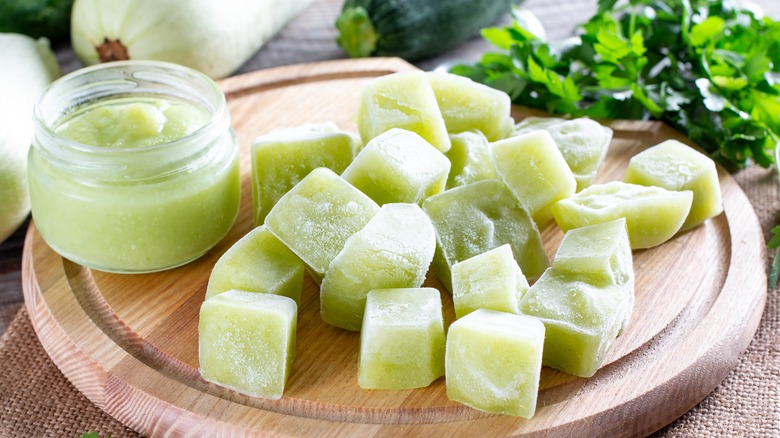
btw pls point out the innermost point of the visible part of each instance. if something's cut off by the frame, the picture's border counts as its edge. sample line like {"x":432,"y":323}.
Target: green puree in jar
{"x":132,"y":123}
{"x":156,"y":187}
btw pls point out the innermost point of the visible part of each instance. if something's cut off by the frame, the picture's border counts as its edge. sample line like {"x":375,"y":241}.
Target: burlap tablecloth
{"x":36,"y":400}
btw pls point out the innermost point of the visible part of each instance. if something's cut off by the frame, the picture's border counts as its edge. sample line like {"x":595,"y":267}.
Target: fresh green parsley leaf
{"x":707,"y":67}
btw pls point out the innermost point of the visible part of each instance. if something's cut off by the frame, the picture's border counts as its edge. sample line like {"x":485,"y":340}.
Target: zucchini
{"x":36,"y":18}
{"x":413,"y":29}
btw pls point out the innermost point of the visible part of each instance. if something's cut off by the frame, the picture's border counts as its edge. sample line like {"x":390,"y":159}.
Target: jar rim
{"x":218,"y":112}
{"x":124,"y":79}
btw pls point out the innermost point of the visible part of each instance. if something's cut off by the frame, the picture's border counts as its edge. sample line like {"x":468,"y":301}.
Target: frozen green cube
{"x":282,"y":158}
{"x":530,"y":124}
{"x":402,"y":339}
{"x":532,"y":166}
{"x":653,"y":214}
{"x":402,"y":100}
{"x":258,"y":262}
{"x":394,"y":250}
{"x":581,"y":320}
{"x":676,"y":166}
{"x":491,"y":280}
{"x":323,"y":127}
{"x":601,"y":255}
{"x":493,"y":362}
{"x":467,"y":105}
{"x":317,"y":216}
{"x":398,"y":166}
{"x":247,"y":342}
{"x":582,"y":142}
{"x":472,"y":219}
{"x":470,"y":159}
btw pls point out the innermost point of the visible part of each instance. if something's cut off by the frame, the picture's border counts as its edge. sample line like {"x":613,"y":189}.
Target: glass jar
{"x":133,"y":209}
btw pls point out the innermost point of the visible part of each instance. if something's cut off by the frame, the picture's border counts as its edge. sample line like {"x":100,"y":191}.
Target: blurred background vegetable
{"x":413,"y":29}
{"x":710,"y":68}
{"x":215,"y":37}
{"x":36,"y":18}
{"x":26,"y":68}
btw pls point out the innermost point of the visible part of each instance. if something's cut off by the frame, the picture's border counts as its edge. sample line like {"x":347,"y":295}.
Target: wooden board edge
{"x":311,"y":72}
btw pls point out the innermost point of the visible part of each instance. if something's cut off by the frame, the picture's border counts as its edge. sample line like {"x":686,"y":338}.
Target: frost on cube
{"x":653,"y":214}
{"x":493,"y":362}
{"x":282,"y":158}
{"x":581,"y":320}
{"x":676,"y":166}
{"x":467,"y":105}
{"x":534,"y":170}
{"x":470,"y":159}
{"x":258,"y":262}
{"x":315,"y":218}
{"x":247,"y":342}
{"x":402,"y":340}
{"x":402,"y":100}
{"x":491,"y":280}
{"x":398,"y":166}
{"x":600,"y":255}
{"x":394,"y":250}
{"x":530,"y":124}
{"x":583,"y":144}
{"x":472,"y":219}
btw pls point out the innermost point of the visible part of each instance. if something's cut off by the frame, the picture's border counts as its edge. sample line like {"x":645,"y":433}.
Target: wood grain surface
{"x":129,"y":342}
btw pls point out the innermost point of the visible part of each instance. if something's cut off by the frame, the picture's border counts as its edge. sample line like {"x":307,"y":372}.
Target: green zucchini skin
{"x":36,"y":18}
{"x":413,"y":29}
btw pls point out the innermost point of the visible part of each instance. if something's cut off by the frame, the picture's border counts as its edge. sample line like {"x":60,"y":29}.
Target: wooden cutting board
{"x":129,"y":342}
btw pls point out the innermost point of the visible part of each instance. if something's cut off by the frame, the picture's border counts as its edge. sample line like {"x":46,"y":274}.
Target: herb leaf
{"x":707,"y":67}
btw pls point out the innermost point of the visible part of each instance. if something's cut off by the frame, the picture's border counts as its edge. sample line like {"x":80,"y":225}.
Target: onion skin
{"x":214,"y":37}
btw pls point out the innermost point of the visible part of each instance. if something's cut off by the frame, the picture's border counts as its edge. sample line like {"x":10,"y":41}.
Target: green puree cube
{"x":653,"y":214}
{"x":534,"y":170}
{"x":317,"y":216}
{"x":467,"y":105}
{"x":582,"y":142}
{"x":470,"y":158}
{"x":676,"y":166}
{"x":493,"y":362}
{"x":281,"y":159}
{"x":258,"y":262}
{"x":247,"y":342}
{"x":398,"y":166}
{"x":402,"y":100}
{"x":600,"y":255}
{"x":394,"y":250}
{"x":488,"y":281}
{"x":472,"y":219}
{"x":530,"y":124}
{"x":581,"y":320}
{"x":402,"y":339}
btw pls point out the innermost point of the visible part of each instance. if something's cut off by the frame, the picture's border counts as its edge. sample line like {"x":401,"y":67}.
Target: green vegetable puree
{"x":132,"y":123}
{"x":135,"y":209}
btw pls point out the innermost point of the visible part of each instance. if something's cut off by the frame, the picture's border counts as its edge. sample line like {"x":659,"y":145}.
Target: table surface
{"x":311,"y":37}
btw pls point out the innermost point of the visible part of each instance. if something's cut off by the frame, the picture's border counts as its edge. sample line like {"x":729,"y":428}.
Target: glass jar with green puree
{"x":133,"y":167}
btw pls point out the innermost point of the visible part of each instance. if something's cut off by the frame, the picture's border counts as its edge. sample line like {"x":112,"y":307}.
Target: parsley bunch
{"x":707,"y":67}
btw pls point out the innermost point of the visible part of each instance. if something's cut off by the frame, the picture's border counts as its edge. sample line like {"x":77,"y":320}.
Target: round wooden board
{"x":129,"y":342}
